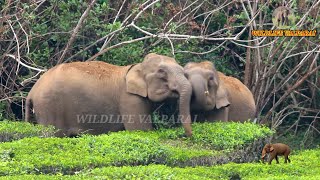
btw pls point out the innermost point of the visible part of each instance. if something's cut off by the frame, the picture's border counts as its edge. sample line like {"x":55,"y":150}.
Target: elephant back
{"x":94,"y":69}
{"x":242,"y":104}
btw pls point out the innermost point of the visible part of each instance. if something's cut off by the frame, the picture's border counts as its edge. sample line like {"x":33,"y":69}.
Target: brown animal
{"x":216,"y":96}
{"x":275,"y":150}
{"x":281,"y":15}
{"x":97,"y":97}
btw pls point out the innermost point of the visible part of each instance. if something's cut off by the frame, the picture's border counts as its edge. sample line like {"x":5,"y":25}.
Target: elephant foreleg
{"x":272,"y":156}
{"x":277,"y":159}
{"x":226,"y":114}
{"x":135,"y":113}
{"x":221,"y":114}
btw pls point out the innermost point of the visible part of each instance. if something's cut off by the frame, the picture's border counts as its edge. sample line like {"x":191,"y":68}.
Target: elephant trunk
{"x":202,"y":97}
{"x":185,"y":92}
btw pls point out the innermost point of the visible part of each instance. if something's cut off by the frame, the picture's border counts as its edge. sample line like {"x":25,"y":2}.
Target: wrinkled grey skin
{"x":99,"y":90}
{"x":216,"y":96}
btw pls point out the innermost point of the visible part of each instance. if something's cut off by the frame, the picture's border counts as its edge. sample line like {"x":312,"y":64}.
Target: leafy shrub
{"x":304,"y":165}
{"x":13,"y":130}
{"x":68,"y":155}
{"x":220,"y":135}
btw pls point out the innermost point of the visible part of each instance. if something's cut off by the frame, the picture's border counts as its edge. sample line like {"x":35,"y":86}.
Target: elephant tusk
{"x":206,"y":92}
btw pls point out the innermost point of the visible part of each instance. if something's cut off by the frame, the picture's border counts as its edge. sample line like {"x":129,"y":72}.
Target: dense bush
{"x":220,"y":135}
{"x":304,"y":165}
{"x":51,"y":26}
{"x":13,"y":130}
{"x":68,"y":155}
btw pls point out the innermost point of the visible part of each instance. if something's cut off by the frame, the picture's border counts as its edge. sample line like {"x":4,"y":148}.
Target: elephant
{"x":275,"y":150}
{"x":96,"y":97}
{"x":216,"y":96}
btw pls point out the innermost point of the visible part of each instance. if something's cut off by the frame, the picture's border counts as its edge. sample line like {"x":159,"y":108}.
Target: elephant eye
{"x":162,"y":73}
{"x":211,"y":81}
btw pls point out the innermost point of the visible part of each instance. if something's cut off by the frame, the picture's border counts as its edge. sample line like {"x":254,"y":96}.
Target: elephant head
{"x":158,"y":78}
{"x":208,"y":91}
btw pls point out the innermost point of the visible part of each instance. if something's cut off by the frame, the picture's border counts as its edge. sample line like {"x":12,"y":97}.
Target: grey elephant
{"x":217,"y":96}
{"x":97,"y":97}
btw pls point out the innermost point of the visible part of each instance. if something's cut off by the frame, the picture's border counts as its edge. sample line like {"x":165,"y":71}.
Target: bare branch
{"x":76,"y":30}
{"x":118,"y":45}
{"x":23,"y":64}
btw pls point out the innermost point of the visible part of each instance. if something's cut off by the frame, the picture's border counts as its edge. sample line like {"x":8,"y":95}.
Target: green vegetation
{"x":221,"y":135}
{"x":13,"y":130}
{"x":304,"y":165}
{"x":146,"y":155}
{"x":69,"y":155}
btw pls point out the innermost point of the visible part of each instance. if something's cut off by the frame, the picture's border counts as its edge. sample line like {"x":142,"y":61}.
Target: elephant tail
{"x":29,"y":106}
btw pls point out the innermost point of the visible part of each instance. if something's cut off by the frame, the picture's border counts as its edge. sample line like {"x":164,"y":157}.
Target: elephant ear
{"x":135,"y":81}
{"x":189,"y":65}
{"x":271,"y":149}
{"x":222,"y":97}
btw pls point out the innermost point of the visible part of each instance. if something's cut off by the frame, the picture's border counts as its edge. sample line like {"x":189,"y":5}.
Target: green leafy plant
{"x":69,"y":155}
{"x":14,"y":130}
{"x":304,"y":165}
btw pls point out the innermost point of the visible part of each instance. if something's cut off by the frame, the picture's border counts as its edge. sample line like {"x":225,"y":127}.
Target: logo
{"x":284,"y":19}
{"x":283,"y":32}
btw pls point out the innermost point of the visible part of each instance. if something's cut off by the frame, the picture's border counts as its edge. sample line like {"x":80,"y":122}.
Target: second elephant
{"x":217,"y":96}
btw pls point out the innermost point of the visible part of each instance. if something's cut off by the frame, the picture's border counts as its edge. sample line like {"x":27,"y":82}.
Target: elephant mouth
{"x":174,"y":94}
{"x":161,"y":91}
{"x":169,"y":93}
{"x":208,"y":104}
{"x":208,"y":107}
